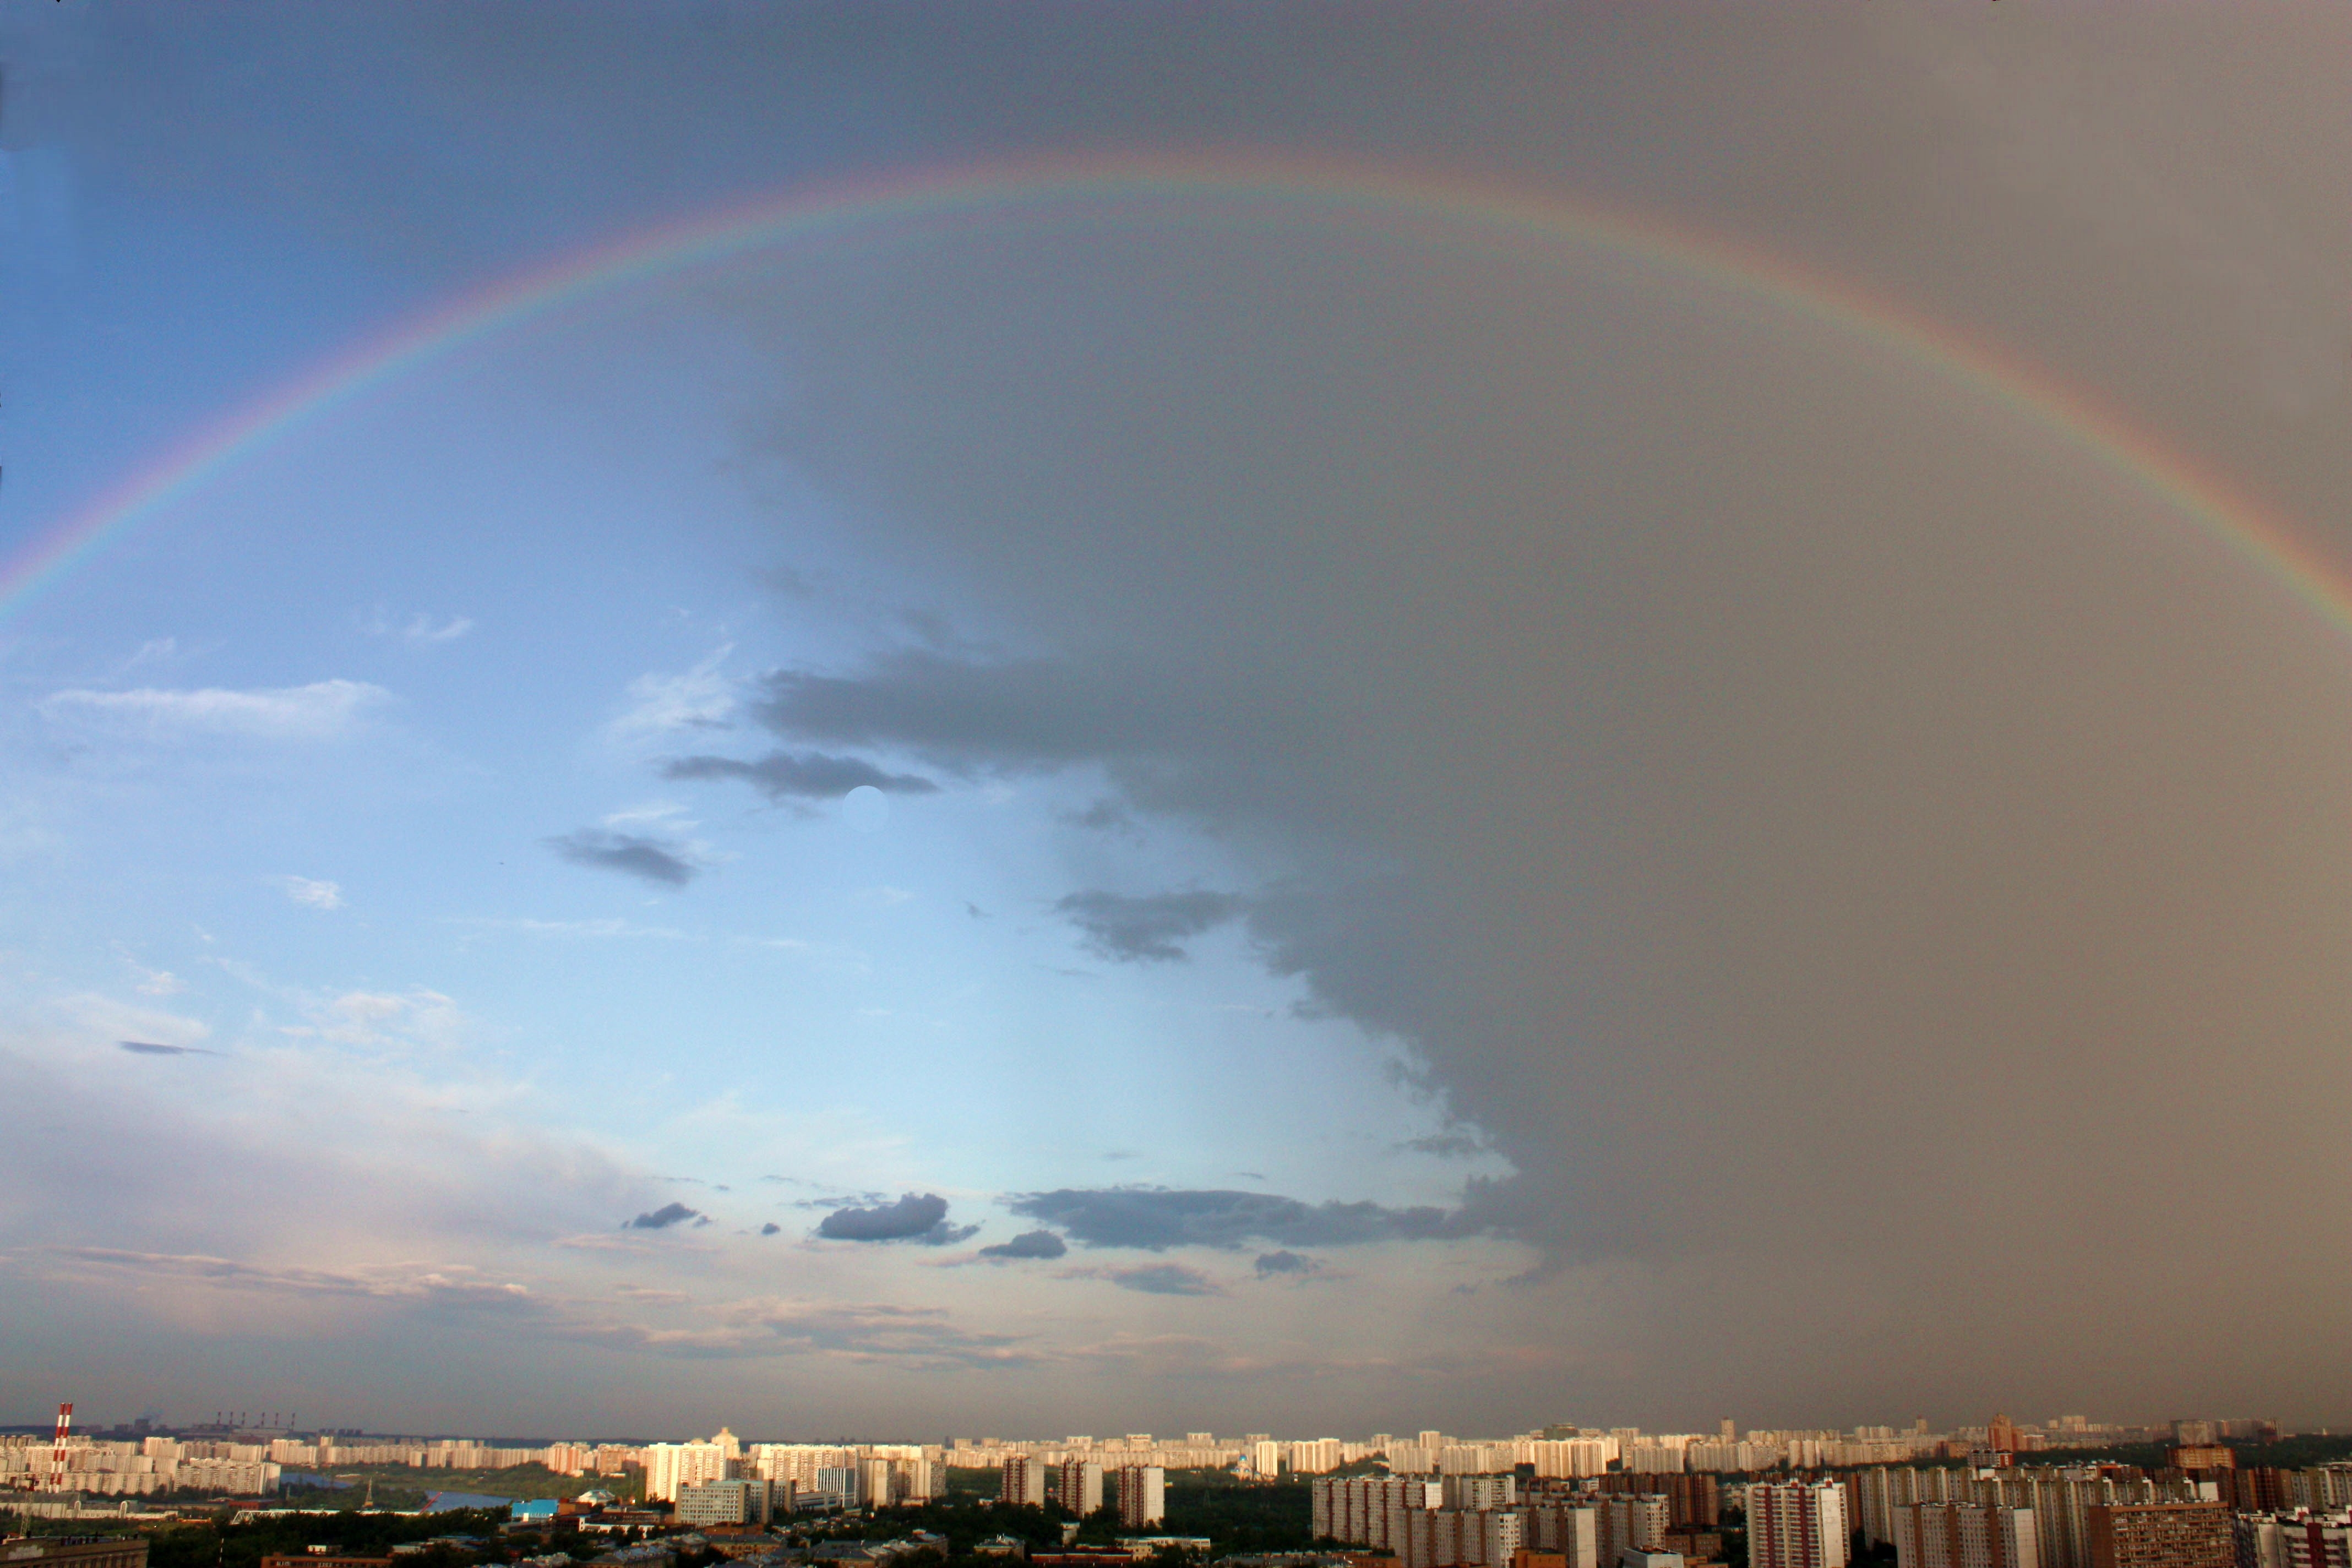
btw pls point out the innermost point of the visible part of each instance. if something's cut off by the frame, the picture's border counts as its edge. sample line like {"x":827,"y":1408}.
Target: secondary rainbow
{"x":1406,"y":202}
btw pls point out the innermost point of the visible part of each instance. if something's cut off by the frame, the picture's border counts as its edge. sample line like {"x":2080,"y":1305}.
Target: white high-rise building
{"x":1142,"y":1495}
{"x":1319,"y":1455}
{"x":1796,"y":1525}
{"x":1475,"y":1492}
{"x":670,"y":1466}
{"x":1024,"y":1481}
{"x":1265,"y":1458}
{"x":1572,"y":1531}
{"x":1080,"y":1488}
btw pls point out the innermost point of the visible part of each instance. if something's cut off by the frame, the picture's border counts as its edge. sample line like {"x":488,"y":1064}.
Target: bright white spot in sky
{"x":866,"y":809}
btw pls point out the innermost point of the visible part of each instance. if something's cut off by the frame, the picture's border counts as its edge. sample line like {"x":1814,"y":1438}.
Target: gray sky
{"x":1163,"y":812}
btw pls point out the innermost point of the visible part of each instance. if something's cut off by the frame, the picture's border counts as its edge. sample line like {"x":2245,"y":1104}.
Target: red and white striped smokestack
{"x":58,"y":1453}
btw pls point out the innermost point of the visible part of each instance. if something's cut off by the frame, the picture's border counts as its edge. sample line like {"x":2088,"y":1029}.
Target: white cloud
{"x":98,"y":1022}
{"x":595,"y":928}
{"x":655,"y":814}
{"x":375,"y":1018}
{"x":151,"y":981}
{"x":316,"y":895}
{"x":321,"y":711}
{"x":701,"y":698}
{"x":419,"y":628}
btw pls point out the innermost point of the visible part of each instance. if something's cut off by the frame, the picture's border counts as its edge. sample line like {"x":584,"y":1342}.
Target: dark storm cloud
{"x":1021,"y":714}
{"x":1152,"y":926}
{"x":802,"y":775}
{"x":1102,"y":817}
{"x":149,"y":1049}
{"x":664,"y":1217}
{"x":1155,"y":1218}
{"x":1765,"y":797}
{"x":1746,"y":785}
{"x":652,"y":858}
{"x":918,"y":1217}
{"x":1270,"y":1264}
{"x":1163,"y":1280}
{"x":1028,"y":1243}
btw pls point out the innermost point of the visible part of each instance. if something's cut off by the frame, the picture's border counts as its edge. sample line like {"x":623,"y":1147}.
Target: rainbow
{"x":1291,"y":191}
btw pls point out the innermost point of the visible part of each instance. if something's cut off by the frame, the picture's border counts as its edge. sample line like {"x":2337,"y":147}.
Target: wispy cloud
{"x":856,"y":1332}
{"x":1160,"y":1280}
{"x":654,"y":859}
{"x":418,"y":628}
{"x":701,"y":698}
{"x":407,"y":1281}
{"x":322,"y":711}
{"x":312,"y":894}
{"x":800,"y":776}
{"x":528,"y":926}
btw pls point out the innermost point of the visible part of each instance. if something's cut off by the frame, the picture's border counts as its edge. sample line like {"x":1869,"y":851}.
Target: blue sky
{"x":1531,"y":789}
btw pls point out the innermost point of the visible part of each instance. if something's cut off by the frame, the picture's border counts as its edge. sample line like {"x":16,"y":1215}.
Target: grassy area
{"x":974,"y":1483}
{"x":514,"y":1481}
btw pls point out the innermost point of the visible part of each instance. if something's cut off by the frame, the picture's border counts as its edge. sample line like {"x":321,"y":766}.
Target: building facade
{"x":1079,"y":1486}
{"x":1965,"y":1535}
{"x":1142,"y":1495}
{"x":2161,"y":1535}
{"x":1024,"y":1481}
{"x":1799,"y":1524}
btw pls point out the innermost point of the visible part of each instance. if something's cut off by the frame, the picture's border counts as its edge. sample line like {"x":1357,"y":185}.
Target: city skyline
{"x":914,"y":719}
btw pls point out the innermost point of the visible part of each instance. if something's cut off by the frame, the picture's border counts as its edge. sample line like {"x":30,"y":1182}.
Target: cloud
{"x":664,"y":1217}
{"x":1163,"y":1280}
{"x":322,"y":711}
{"x":701,"y":698}
{"x":921,"y":1218}
{"x":448,"y":1283}
{"x":1105,"y":815}
{"x":804,"y":775}
{"x":1155,"y":1218}
{"x":150,"y":1048}
{"x":1270,"y":1264}
{"x":1150,"y":928}
{"x":1028,"y":1243}
{"x":611,"y":927}
{"x":1455,"y":1144}
{"x":312,"y":895}
{"x":654,"y":859}
{"x":924,"y":1338}
{"x":771,"y":1228}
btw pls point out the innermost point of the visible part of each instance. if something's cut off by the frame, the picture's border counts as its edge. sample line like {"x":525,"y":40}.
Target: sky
{"x":1665,"y":781}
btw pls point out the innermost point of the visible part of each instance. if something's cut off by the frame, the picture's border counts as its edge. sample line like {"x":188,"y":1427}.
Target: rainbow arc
{"x":1283,"y":190}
